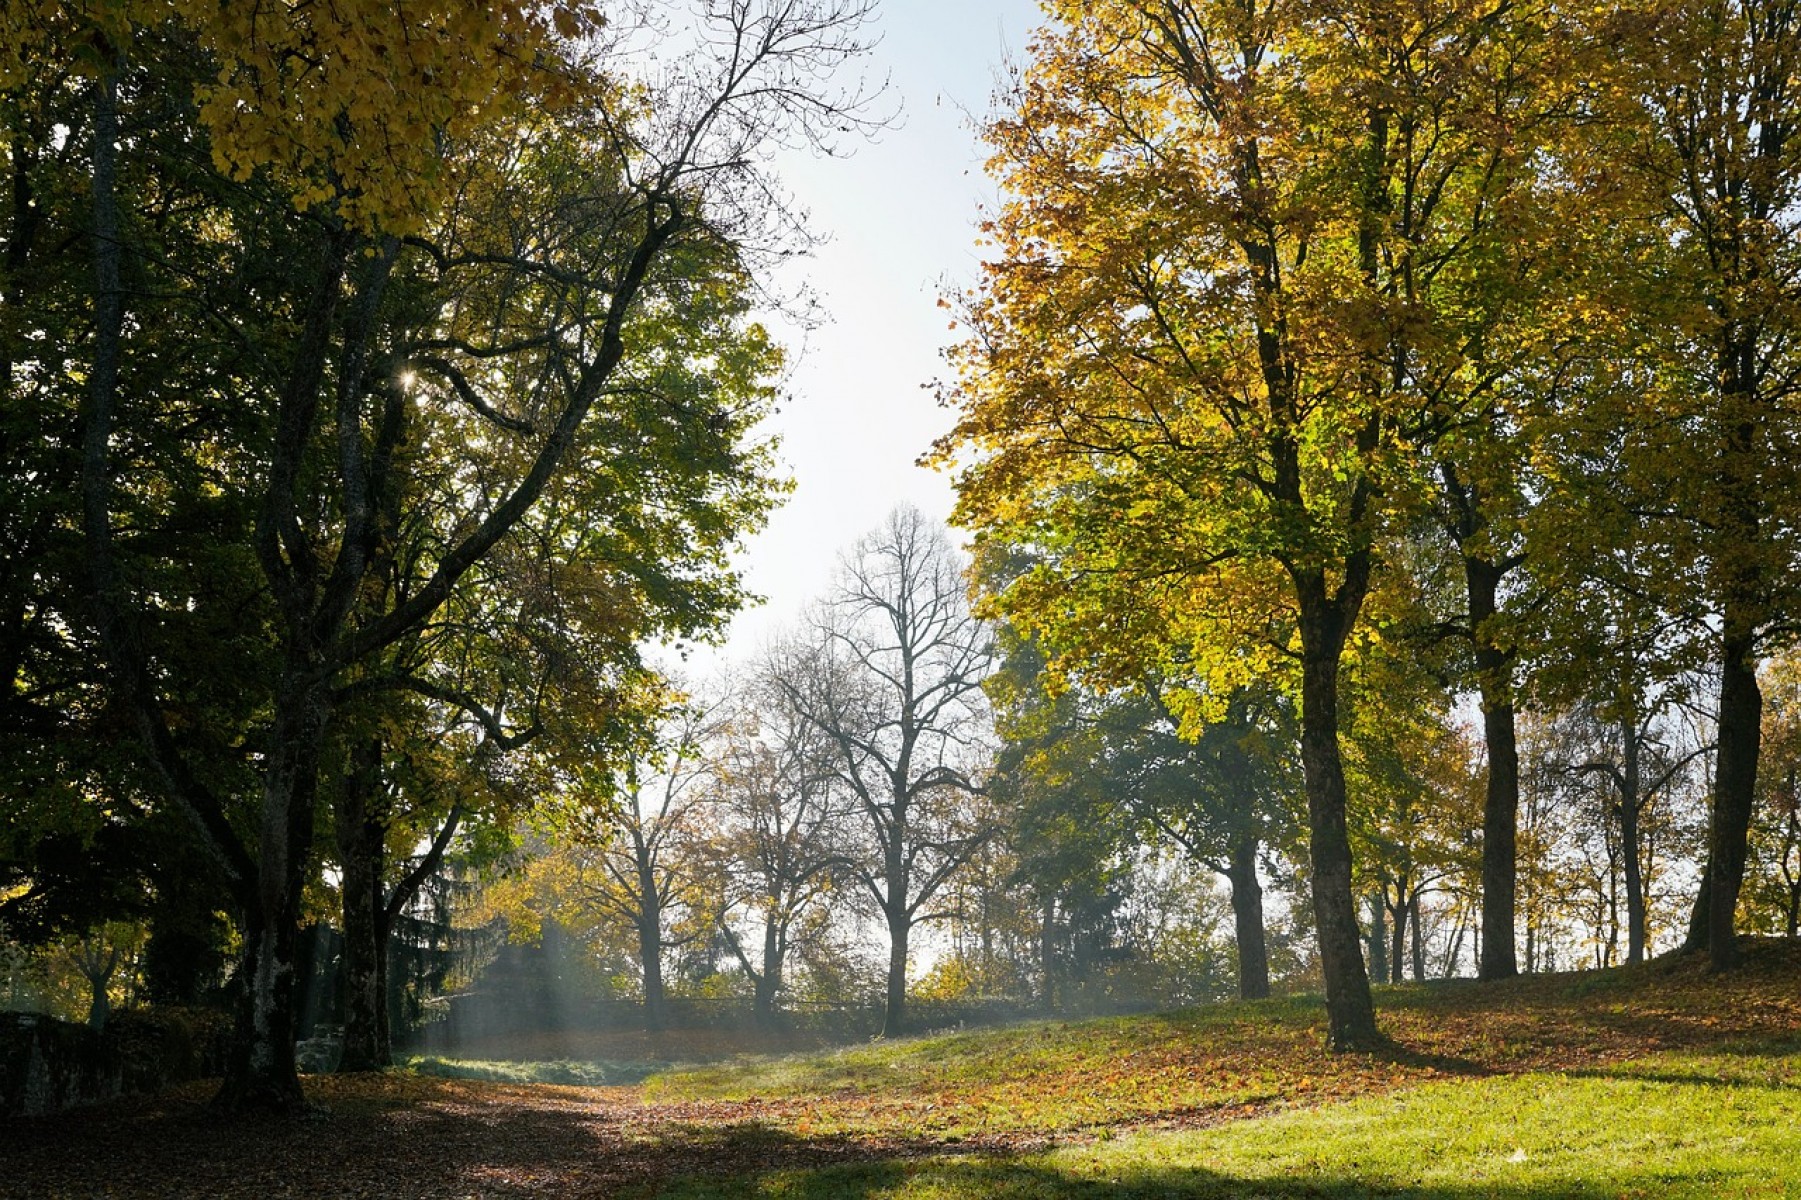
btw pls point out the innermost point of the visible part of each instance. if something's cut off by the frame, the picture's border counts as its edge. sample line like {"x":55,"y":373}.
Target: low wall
{"x":48,"y":1065}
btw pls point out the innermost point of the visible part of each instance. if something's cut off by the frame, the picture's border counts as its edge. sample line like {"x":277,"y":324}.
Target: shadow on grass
{"x":1027,"y":1179}
{"x":439,"y":1141}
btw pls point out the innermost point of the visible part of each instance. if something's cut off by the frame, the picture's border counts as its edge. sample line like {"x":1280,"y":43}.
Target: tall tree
{"x":783,"y":832}
{"x":637,"y":841}
{"x":352,"y":333}
{"x":1714,"y":144}
{"x":895,"y":686}
{"x":1245,"y":258}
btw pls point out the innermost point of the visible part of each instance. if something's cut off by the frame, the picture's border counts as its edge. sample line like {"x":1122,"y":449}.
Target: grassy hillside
{"x":1654,"y":1081}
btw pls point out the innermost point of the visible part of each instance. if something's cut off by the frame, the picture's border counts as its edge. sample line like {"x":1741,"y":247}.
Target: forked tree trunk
{"x":769,"y":980}
{"x":1397,"y":934}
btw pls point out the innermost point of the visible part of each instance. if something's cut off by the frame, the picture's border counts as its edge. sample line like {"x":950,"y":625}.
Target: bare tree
{"x":782,"y":835}
{"x":640,"y":853}
{"x":896,"y":686}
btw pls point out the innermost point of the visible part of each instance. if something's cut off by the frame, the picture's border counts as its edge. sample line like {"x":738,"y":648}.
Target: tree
{"x":1246,"y":262}
{"x":1722,"y":172}
{"x":1704,"y":158}
{"x":637,"y":843}
{"x":782,"y":836}
{"x":1775,"y":887}
{"x":365,"y":358}
{"x":1118,"y":768}
{"x":895,"y":686}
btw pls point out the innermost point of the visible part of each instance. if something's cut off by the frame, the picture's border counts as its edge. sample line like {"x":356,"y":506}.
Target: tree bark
{"x":1397,"y":933}
{"x":650,"y":955}
{"x":1378,"y":938}
{"x":1631,"y":806}
{"x":1501,"y":802}
{"x":1247,"y":919}
{"x":261,"y":1071}
{"x":1350,"y":1011}
{"x":1735,"y":792}
{"x":362,"y":843}
{"x":769,"y":980}
{"x":894,"y":1013}
{"x":1419,"y":941}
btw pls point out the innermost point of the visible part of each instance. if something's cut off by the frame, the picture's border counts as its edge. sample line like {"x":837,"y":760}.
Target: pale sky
{"x":900,"y":214}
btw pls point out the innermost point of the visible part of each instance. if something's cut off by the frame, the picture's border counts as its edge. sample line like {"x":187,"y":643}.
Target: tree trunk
{"x":1047,"y":953}
{"x":1247,"y":919}
{"x":1397,"y":934}
{"x":769,"y":980}
{"x":1379,"y":936}
{"x":100,"y":1005}
{"x":1419,"y":941}
{"x":1350,"y":1012}
{"x":1735,"y":792}
{"x":650,"y":958}
{"x":261,"y":1072}
{"x":1501,"y":803}
{"x":362,"y":845}
{"x":894,"y":1015}
{"x":1631,"y":804}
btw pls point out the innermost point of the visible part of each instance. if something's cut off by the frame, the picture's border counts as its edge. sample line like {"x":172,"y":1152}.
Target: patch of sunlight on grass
{"x":568,"y":1072}
{"x":1666,"y":1126}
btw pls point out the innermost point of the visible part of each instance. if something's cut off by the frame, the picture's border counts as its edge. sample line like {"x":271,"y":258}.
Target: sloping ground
{"x":1659,"y":1081}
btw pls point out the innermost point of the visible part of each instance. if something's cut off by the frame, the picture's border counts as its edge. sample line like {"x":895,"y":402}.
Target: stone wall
{"x":48,"y":1065}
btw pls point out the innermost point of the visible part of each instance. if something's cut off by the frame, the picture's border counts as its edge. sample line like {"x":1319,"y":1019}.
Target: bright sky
{"x":900,"y":215}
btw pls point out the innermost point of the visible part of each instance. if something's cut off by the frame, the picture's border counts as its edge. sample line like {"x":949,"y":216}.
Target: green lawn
{"x":1666,"y":1126}
{"x":1655,"y":1081}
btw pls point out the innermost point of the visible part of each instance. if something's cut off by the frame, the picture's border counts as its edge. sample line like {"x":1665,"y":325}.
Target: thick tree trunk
{"x":1501,"y":803}
{"x":1047,"y":954}
{"x":1247,"y":919}
{"x":894,"y":1014}
{"x":1350,"y":1011}
{"x":261,"y":1072}
{"x":362,"y":844}
{"x":1735,"y":791}
{"x":650,"y":959}
{"x":100,"y":1005}
{"x":769,"y":980}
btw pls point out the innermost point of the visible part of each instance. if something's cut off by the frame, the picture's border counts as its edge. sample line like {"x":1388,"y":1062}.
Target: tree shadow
{"x":1017,"y":1179}
{"x":443,"y":1143}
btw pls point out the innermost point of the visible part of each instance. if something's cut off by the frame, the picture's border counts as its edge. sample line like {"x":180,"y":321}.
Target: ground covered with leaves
{"x":1659,"y":1080}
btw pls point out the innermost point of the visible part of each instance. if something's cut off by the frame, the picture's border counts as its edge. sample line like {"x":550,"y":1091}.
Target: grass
{"x":1654,"y":1081}
{"x":561,"y":1071}
{"x":1661,"y":1080}
{"x":1667,"y":1126}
